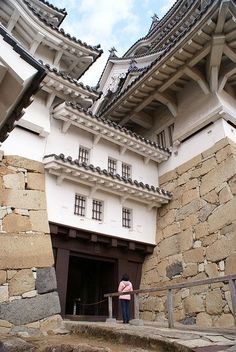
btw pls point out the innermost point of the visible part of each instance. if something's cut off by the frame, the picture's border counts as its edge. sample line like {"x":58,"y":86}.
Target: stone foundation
{"x":28,"y":291}
{"x":196,"y":239}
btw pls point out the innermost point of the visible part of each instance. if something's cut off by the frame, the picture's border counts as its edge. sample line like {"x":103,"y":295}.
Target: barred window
{"x":97,"y":210}
{"x":126,"y":217}
{"x":112,"y":165}
{"x":80,"y":202}
{"x":171,"y":131}
{"x":126,"y":170}
{"x":161,"y":139}
{"x":83,"y":155}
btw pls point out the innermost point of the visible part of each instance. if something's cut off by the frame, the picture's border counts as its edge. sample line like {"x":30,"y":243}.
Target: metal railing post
{"x":170,"y":308}
{"x":136,"y":306}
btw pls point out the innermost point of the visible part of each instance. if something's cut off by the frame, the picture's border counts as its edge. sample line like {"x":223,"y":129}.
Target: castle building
{"x":136,"y":175}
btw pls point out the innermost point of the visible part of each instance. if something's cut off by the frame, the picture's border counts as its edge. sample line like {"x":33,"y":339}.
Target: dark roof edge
{"x":25,"y":101}
{"x":70,"y":79}
{"x":95,"y":48}
{"x":106,"y":173}
{"x":117,"y":126}
{"x":45,"y":2}
{"x":165,"y":52}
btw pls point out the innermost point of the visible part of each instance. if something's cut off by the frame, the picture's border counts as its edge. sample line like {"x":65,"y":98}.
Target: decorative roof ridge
{"x":117,"y":126}
{"x":158,"y":25}
{"x":61,"y":31}
{"x":45,"y":2}
{"x":70,"y":79}
{"x":162,"y":54}
{"x":106,"y":173}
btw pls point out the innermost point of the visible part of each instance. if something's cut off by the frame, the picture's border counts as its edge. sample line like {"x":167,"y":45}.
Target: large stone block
{"x":188,"y":222}
{"x":4,"y":294}
{"x":206,"y":211}
{"x":206,"y":166}
{"x":46,"y":280}
{"x":14,"y":181}
{"x":194,"y":304}
{"x":25,"y":251}
{"x":225,"y":321}
{"x":221,"y":248}
{"x":39,"y":220}
{"x":189,"y":196}
{"x":222,"y":216}
{"x":23,"y":199}
{"x":214,"y":302}
{"x":23,"y":281}
{"x":15,"y":344}
{"x":230,"y":264}
{"x":15,"y":223}
{"x":24,"y":163}
{"x":190,"y":270}
{"x":189,"y":209}
{"x":211,"y":270}
{"x":195,"y":255}
{"x":171,"y":230}
{"x":189,"y":164}
{"x":168,"y":176}
{"x":204,"y":320}
{"x":222,"y":173}
{"x":168,"y":246}
{"x":35,"y":181}
{"x":201,"y":230}
{"x":185,"y":240}
{"x":24,"y":311}
{"x":3,"y":277}
{"x":174,"y":269}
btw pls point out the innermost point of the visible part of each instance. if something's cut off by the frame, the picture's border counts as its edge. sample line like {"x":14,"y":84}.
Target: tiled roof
{"x":63,"y":11}
{"x":171,"y":44}
{"x":159,"y":24}
{"x":70,"y":79}
{"x":116,"y":126}
{"x":110,"y":175}
{"x":61,"y":31}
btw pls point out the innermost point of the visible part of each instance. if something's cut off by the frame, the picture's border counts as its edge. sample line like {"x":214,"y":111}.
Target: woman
{"x":125,"y":286}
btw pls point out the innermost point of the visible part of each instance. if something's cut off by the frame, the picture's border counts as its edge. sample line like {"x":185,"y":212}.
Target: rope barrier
{"x":90,"y":304}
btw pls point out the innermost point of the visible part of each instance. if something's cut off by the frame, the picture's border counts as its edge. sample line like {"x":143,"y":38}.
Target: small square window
{"x":97,"y":210}
{"x":112,"y":165}
{"x":83,"y":155}
{"x":161,"y":139}
{"x":126,"y":218}
{"x":80,"y":203}
{"x":126,"y":170}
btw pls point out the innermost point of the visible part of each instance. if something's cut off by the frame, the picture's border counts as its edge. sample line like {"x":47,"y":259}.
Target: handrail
{"x":228,"y":278}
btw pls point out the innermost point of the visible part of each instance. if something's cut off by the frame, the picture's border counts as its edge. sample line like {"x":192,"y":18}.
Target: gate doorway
{"x":88,"y":280}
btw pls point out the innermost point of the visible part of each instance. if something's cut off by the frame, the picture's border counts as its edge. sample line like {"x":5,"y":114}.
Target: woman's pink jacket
{"x":125,"y":286}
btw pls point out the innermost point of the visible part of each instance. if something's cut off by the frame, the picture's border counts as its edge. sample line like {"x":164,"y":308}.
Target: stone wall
{"x":27,"y":277}
{"x":196,"y":239}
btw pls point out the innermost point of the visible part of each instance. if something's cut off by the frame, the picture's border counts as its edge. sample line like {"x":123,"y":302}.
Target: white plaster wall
{"x":68,"y":144}
{"x":25,"y":144}
{"x":37,"y":117}
{"x":62,"y":211}
{"x":198,"y":144}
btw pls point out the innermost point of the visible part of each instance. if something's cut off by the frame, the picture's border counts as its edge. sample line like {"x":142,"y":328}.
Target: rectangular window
{"x":83,"y":155}
{"x":80,"y":202}
{"x":112,"y":165}
{"x":171,"y":130}
{"x":126,"y":217}
{"x":97,"y":210}
{"x":126,"y":170}
{"x":161,"y":139}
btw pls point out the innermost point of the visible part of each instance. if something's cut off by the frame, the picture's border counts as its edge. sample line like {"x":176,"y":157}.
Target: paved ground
{"x":151,"y":335}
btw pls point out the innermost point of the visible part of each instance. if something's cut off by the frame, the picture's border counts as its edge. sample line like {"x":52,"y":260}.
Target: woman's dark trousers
{"x":125,"y":310}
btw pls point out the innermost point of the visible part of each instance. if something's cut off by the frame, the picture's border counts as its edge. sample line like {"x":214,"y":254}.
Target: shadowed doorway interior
{"x":88,"y":280}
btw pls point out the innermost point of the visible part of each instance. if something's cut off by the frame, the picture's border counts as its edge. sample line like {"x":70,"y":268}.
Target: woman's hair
{"x":125,"y":277}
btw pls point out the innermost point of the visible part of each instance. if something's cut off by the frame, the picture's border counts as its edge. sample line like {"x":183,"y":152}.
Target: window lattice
{"x":126,"y":217}
{"x":126,"y":170}
{"x":97,"y":210}
{"x":79,"y":205}
{"x":112,"y":166}
{"x":83,"y":155}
